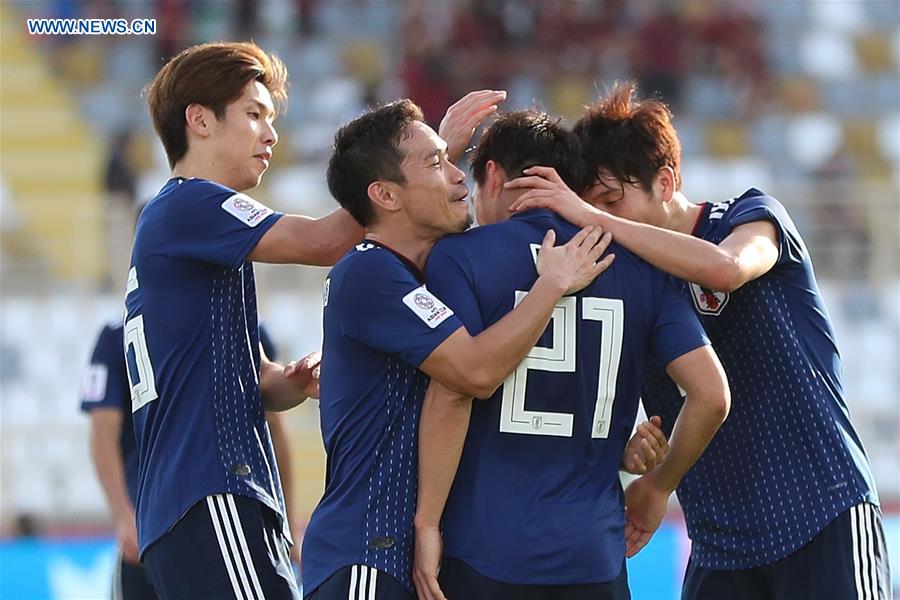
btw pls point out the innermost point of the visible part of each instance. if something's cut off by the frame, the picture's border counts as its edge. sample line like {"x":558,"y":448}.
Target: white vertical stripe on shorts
{"x":229,"y":565}
{"x":248,"y":558}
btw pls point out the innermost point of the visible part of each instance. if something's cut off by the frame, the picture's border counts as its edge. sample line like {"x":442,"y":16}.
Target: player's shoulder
{"x":753,"y":198}
{"x":112,"y":331}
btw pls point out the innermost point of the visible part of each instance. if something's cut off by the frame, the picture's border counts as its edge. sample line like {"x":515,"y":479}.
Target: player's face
{"x":627,"y":200}
{"x":245,"y":136}
{"x":434,"y":195}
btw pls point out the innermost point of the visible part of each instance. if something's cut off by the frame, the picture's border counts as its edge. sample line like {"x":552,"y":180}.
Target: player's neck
{"x":192,"y":167}
{"x":412,"y":248}
{"x":683,"y":214}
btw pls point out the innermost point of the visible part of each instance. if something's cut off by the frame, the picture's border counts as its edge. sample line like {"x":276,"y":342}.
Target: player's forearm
{"x":110,"y":469}
{"x":442,"y":434}
{"x":699,"y":420}
{"x":281,"y":445}
{"x":498,"y":350}
{"x":277,"y":392}
{"x":684,"y":256}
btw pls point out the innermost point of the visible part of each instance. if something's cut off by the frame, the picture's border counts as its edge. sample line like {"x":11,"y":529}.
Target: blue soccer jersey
{"x":787,"y":461}
{"x":379,"y":324}
{"x":192,"y":350}
{"x":537,"y":498}
{"x":106,"y":386}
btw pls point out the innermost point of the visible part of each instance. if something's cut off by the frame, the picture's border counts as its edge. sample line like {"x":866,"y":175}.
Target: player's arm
{"x":476,"y":366}
{"x":443,"y":425}
{"x":284,"y":387}
{"x":750,"y":251}
{"x":295,"y":239}
{"x":278,"y":428}
{"x":708,"y":400}
{"x":106,"y":428}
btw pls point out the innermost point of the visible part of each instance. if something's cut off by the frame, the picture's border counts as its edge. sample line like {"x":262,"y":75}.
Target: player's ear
{"x":664,"y":184}
{"x":197,"y":119}
{"x":382,"y":195}
{"x":495,"y":177}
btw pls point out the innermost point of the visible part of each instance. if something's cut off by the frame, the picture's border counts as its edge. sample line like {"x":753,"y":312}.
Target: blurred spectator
{"x":120,"y":182}
{"x":658,"y":55}
{"x":424,"y":72}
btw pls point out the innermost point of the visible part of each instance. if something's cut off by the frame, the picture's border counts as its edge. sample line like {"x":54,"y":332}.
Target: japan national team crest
{"x":707,"y":301}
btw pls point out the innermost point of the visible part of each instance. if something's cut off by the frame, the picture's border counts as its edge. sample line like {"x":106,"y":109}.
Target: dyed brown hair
{"x":212,"y":75}
{"x":631,"y":138}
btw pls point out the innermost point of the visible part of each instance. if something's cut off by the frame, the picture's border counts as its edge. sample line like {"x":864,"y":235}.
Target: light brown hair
{"x":632,"y":139}
{"x":212,"y":75}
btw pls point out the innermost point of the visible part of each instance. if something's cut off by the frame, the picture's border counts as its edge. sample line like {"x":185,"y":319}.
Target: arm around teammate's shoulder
{"x":749,"y":252}
{"x":296,"y":239}
{"x":477,"y":365}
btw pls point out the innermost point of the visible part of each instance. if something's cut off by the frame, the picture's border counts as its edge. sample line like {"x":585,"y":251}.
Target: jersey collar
{"x":417,"y":273}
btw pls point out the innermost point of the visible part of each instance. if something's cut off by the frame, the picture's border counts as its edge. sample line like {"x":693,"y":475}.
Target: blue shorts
{"x":846,"y":560}
{"x":130,"y":582}
{"x":360,"y":582}
{"x":459,"y":581}
{"x":225,"y":546}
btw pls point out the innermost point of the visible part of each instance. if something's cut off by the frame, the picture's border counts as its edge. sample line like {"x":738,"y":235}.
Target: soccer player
{"x":210,"y":511}
{"x":106,"y":397}
{"x":385,"y":333}
{"x":536,"y":510}
{"x":783,"y":504}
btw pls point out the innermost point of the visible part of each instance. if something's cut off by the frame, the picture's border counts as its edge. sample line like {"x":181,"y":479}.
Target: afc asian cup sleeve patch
{"x":427,"y":307}
{"x":246,"y":210}
{"x":94,"y":386}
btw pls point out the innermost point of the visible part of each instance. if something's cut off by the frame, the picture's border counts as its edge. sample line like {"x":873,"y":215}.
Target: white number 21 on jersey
{"x":560,"y":358}
{"x":144,"y":390}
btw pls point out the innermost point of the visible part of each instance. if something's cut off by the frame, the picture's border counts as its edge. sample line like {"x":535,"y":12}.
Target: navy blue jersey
{"x":106,"y":386}
{"x":192,"y":349}
{"x":379,"y":324}
{"x":787,"y":461}
{"x":537,"y":498}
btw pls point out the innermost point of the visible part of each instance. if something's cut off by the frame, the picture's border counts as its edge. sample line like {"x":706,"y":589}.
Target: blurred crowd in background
{"x":800,"y":98}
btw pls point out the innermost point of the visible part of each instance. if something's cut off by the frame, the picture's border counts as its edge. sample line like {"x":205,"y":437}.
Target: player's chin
{"x":463,"y":223}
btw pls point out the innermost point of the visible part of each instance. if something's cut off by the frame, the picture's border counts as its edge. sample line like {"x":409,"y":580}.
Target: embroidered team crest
{"x":707,"y":301}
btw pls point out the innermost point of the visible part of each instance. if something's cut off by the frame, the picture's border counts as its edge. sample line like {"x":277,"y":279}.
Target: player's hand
{"x":304,"y":374}
{"x":126,"y":536}
{"x":464,"y":116}
{"x":646,"y":448}
{"x":429,"y":547}
{"x":645,"y":507}
{"x":546,"y":189}
{"x":575,"y":264}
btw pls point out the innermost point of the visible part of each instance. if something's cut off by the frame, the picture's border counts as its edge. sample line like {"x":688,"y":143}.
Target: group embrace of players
{"x":479,"y":387}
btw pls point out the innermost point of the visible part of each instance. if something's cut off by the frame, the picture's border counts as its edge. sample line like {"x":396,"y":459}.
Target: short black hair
{"x":367,"y":149}
{"x":527,"y":138}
